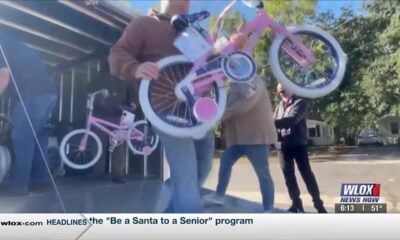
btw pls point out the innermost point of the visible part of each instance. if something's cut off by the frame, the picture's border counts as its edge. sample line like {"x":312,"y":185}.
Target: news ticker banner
{"x":199,"y":226}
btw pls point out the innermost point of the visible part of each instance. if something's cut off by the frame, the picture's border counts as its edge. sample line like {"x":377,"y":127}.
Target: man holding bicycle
{"x":249,"y":130}
{"x":146,"y":40}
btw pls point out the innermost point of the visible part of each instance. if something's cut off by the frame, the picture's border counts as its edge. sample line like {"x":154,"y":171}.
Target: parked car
{"x":369,"y":138}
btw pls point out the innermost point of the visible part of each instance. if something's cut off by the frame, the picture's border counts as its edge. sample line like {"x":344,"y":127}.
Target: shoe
{"x":319,"y":205}
{"x":321,"y":209}
{"x":118,"y":179}
{"x":213,"y":198}
{"x":296,"y":209}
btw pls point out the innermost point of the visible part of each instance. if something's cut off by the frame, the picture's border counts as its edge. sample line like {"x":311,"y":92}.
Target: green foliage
{"x":290,"y":12}
{"x":230,"y":24}
{"x":371,"y":87}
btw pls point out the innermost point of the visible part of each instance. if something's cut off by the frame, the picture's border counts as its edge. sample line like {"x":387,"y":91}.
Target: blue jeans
{"x":258,"y":156}
{"x":29,"y":163}
{"x":190,"y":162}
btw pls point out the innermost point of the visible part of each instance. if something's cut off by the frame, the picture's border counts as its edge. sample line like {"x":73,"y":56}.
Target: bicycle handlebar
{"x":254,"y":3}
{"x":182,"y":21}
{"x":103,"y":92}
{"x":90,"y":99}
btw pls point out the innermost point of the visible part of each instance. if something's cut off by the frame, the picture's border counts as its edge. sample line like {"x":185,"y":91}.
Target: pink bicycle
{"x":82,"y":148}
{"x":189,"y":97}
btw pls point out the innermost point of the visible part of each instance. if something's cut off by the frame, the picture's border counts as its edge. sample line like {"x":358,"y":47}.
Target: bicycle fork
{"x":82,"y":145}
{"x":204,"y":108}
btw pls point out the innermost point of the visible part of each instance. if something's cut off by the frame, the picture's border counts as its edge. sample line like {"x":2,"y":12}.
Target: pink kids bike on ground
{"x":82,"y":148}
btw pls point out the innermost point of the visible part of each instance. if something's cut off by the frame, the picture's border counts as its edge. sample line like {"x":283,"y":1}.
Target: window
{"x":394,"y":128}
{"x":311,"y":132}
{"x":318,"y":131}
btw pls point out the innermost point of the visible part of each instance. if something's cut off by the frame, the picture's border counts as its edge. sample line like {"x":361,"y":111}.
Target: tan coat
{"x":248,"y":119}
{"x":145,"y":39}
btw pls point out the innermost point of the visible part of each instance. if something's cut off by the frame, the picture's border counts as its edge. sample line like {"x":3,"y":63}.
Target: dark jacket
{"x":290,"y":121}
{"x":120,"y":93}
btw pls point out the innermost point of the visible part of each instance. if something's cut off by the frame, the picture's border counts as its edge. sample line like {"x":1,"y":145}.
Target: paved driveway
{"x":358,"y":165}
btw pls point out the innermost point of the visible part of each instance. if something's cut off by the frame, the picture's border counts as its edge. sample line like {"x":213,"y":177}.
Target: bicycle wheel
{"x":149,"y":142}
{"x":77,"y":158}
{"x":5,"y":162}
{"x":170,"y":114}
{"x":239,"y":66}
{"x":8,"y":159}
{"x":319,"y":78}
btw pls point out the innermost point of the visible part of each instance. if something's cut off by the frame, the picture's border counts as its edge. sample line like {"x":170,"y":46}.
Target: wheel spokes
{"x":315,"y":75}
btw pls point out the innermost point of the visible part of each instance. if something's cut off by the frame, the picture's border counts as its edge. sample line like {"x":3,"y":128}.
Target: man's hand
{"x":133,"y":105}
{"x":148,"y":71}
{"x":238,"y":40}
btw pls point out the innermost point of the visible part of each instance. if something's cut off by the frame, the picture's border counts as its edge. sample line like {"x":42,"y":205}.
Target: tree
{"x":230,"y":24}
{"x":290,"y":12}
{"x":381,"y":81}
{"x":370,"y":88}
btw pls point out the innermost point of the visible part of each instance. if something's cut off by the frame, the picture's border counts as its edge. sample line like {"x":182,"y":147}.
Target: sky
{"x":216,"y":6}
{"x":336,"y":5}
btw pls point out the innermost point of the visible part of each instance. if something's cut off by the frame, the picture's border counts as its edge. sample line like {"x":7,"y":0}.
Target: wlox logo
{"x":360,"y":192}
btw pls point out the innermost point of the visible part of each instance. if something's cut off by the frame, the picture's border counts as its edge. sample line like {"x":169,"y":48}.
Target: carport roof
{"x":64,"y":32}
{"x":389,"y":116}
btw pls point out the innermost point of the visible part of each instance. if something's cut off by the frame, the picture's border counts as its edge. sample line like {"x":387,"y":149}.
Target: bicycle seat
{"x":127,"y":108}
{"x":182,"y":21}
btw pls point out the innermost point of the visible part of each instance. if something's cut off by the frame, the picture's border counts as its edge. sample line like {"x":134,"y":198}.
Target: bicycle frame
{"x":253,"y":29}
{"x":105,"y":126}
